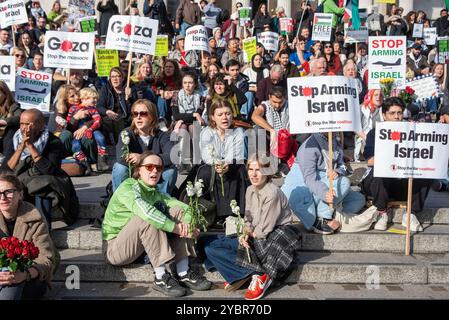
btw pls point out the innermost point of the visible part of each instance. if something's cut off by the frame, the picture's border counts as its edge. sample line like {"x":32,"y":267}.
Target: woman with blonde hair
{"x":142,"y":135}
{"x":9,"y":115}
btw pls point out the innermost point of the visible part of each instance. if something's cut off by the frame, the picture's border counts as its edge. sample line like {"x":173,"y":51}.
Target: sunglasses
{"x":143,"y":114}
{"x":19,"y":56}
{"x":150,"y":167}
{"x":328,"y":46}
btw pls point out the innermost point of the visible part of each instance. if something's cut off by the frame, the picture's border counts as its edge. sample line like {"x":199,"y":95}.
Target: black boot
{"x":88,"y":169}
{"x":102,"y":164}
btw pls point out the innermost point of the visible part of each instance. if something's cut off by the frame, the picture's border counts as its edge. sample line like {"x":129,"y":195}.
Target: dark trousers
{"x":34,"y":289}
{"x":388,"y":189}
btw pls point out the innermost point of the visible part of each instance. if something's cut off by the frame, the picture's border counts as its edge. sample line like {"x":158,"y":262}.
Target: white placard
{"x":33,"y":89}
{"x":270,"y":40}
{"x":72,"y":50}
{"x":387,"y":59}
{"x":12,"y":12}
{"x":322,"y":26}
{"x":418,"y":30}
{"x":353,"y":35}
{"x":322,"y":104}
{"x":430,"y":36}
{"x":132,"y":33}
{"x":426,"y":87}
{"x":8,"y":71}
{"x":409,"y":149}
{"x":196,"y":39}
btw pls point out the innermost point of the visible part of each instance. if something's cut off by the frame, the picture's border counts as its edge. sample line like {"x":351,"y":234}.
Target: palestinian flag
{"x":352,"y":13}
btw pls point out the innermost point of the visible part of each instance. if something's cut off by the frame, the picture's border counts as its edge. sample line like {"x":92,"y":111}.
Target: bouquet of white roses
{"x":240,"y":225}
{"x":194,"y":192}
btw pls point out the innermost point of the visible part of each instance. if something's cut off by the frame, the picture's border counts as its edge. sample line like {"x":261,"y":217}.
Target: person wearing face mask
{"x":417,"y":62}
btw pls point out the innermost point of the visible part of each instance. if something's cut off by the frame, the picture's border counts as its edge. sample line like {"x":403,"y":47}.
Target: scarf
{"x":39,"y":144}
{"x":278,"y":119}
{"x":258,"y":71}
{"x":321,"y":139}
{"x":188,"y":103}
{"x":415,"y":60}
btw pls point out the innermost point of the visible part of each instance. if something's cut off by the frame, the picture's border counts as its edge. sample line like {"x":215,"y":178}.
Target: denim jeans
{"x":220,"y":254}
{"x":88,"y":146}
{"x":34,"y":289}
{"x":99,"y":139}
{"x":169,"y":176}
{"x":247,"y":108}
{"x":308,"y":206}
{"x":184,"y":27}
{"x":44,"y":205}
{"x":162,"y":107}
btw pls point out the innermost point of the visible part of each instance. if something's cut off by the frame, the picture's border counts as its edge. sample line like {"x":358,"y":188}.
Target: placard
{"x":12,"y":12}
{"x":443,"y":50}
{"x":33,"y":89}
{"x":73,"y":50}
{"x":418,"y":30}
{"x":88,"y":24}
{"x":196,"y":39}
{"x":411,"y":149}
{"x":161,"y":49}
{"x":132,"y":33}
{"x":244,"y":15}
{"x":426,"y":87}
{"x":249,"y":48}
{"x":430,"y":36}
{"x":353,"y":35}
{"x":8,"y":71}
{"x":322,"y":26}
{"x":270,"y":40}
{"x":286,"y":25}
{"x":323,"y":104}
{"x":387,"y":59}
{"x":106,"y":60}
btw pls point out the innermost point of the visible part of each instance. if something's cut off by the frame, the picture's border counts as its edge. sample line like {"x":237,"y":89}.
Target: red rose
{"x":26,"y":253}
{"x":34,"y":253}
{"x":15,"y":241}
{"x":10,"y":254}
{"x":409,"y":90}
{"x":25,"y":243}
{"x":17,"y":251}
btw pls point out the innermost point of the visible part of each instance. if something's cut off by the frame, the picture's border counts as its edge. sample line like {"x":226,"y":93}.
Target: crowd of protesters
{"x":214,"y":98}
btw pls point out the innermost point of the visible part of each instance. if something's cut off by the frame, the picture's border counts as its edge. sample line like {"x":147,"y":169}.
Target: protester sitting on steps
{"x":139,"y":219}
{"x":387,"y":189}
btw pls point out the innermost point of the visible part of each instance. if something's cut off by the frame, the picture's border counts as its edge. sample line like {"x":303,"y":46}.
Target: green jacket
{"x":330,"y":7}
{"x":135,"y":197}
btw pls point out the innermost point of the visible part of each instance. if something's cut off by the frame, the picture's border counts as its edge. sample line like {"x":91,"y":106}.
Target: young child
{"x":88,"y":123}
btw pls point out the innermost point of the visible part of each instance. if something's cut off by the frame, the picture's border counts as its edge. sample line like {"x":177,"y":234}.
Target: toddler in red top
{"x":86,"y":117}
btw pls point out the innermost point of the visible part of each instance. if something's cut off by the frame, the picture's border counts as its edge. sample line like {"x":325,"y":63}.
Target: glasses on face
{"x":114,"y":77}
{"x":9,"y":193}
{"x":19,"y":55}
{"x":150,"y":167}
{"x":142,"y":114}
{"x":328,"y":46}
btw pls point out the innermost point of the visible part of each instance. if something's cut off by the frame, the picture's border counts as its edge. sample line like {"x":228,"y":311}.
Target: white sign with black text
{"x":270,"y":40}
{"x":196,"y":39}
{"x":8,"y":71}
{"x":323,"y":104}
{"x":12,"y":12}
{"x":410,"y":149}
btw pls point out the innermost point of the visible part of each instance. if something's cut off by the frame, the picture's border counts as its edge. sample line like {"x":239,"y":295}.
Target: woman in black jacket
{"x":114,"y":104}
{"x":262,"y":20}
{"x":9,"y":116}
{"x":108,"y":8}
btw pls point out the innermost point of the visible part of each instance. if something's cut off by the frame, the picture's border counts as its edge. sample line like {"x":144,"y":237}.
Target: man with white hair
{"x":275,"y":79}
{"x":318,"y":67}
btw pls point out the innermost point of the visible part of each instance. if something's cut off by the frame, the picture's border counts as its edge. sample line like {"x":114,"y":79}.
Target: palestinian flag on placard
{"x":352,"y":13}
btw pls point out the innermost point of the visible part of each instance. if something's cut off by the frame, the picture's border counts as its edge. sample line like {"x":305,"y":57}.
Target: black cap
{"x":416,"y":46}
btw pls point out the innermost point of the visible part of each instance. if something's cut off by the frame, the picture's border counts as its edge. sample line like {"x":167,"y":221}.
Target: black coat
{"x":110,"y":100}
{"x":107,"y":12}
{"x":259,"y":22}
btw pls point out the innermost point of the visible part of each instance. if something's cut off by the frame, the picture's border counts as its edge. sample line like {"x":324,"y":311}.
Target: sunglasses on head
{"x":143,"y":114}
{"x":150,"y":167}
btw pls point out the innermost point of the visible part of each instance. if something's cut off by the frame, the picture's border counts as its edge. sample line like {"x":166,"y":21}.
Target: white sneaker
{"x":382,"y":222}
{"x":415,"y":226}
{"x":163,"y":125}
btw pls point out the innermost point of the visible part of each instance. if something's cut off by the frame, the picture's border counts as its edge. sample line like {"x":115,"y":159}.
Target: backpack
{"x":98,"y":220}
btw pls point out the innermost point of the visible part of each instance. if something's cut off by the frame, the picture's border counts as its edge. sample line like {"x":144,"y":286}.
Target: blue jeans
{"x":247,"y":108}
{"x":220,"y":253}
{"x":308,"y":206}
{"x":34,"y":289}
{"x":161,"y":107}
{"x":169,"y":176}
{"x":44,"y":205}
{"x":184,"y":27}
{"x":99,"y":139}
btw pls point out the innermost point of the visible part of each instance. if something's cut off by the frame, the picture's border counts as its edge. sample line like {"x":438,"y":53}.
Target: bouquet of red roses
{"x":17,"y":255}
{"x":408,"y":95}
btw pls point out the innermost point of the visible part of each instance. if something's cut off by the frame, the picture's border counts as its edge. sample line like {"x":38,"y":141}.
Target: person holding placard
{"x":184,"y":58}
{"x":386,"y":189}
{"x":307,"y":185}
{"x":304,"y":17}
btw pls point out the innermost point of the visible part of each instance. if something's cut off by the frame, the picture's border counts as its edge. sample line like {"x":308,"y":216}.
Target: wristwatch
{"x":28,"y":279}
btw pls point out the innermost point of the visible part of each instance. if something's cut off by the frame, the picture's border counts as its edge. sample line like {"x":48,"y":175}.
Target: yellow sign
{"x":250,"y":47}
{"x":161,"y":46}
{"x":106,"y":60}
{"x":386,"y":1}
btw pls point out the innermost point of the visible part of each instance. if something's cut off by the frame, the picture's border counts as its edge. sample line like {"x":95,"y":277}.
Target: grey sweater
{"x":311,"y":161}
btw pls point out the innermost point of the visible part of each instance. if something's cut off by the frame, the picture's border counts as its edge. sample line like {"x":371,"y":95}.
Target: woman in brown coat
{"x":23,"y":221}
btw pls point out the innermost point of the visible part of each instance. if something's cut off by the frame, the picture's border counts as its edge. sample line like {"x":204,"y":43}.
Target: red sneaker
{"x":258,"y":286}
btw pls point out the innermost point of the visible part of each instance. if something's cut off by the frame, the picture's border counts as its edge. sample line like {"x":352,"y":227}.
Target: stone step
{"x":311,"y":267}
{"x":434,"y":239}
{"x":89,"y":210}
